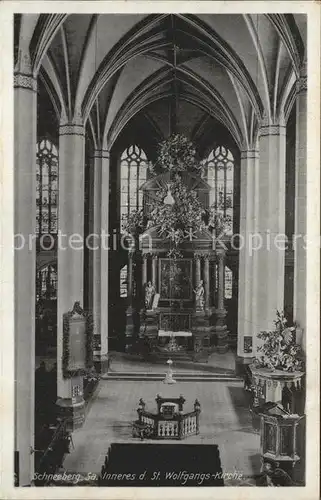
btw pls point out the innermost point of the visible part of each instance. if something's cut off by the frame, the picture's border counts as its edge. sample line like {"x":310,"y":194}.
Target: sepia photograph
{"x":160,"y":216}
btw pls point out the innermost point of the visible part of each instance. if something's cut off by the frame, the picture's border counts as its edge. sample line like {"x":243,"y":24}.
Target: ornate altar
{"x":183,"y":317}
{"x":169,"y":422}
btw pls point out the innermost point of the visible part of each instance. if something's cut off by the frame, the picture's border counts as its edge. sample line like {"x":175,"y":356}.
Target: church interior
{"x":160,"y":164}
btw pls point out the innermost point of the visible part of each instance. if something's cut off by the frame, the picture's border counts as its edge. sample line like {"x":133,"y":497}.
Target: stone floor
{"x":225,"y":420}
{"x":219,"y":363}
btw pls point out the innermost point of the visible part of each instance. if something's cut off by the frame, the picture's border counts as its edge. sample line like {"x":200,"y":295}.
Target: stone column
{"x":100,"y":254}
{"x":299,"y":305}
{"x":207,"y":282}
{"x":249,"y":173}
{"x":197,"y":258}
{"x":70,"y":256}
{"x":220,"y":289}
{"x":154,"y":270}
{"x":268,"y":272}
{"x":25,"y":139}
{"x":144,"y":271}
{"x":129,"y":311}
{"x":221,"y":331}
{"x":104,"y":259}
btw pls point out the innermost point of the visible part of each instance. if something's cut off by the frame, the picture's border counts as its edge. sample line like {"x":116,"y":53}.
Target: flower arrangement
{"x":279,"y":350}
{"x":172,"y":221}
{"x":135,"y":222}
{"x":177,"y":154}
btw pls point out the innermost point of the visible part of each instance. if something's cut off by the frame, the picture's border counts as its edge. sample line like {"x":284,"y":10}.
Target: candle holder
{"x":169,"y":375}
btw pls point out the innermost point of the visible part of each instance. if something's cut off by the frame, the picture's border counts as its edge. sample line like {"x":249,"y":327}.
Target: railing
{"x":180,"y":426}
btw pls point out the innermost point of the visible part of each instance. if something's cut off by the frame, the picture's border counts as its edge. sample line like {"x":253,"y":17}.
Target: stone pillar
{"x":207,"y":282}
{"x":70,"y":257}
{"x":220,"y":290}
{"x":129,"y":311}
{"x":249,"y":173}
{"x":299,"y":305}
{"x":221,"y":330}
{"x":154,"y":271}
{"x":104,"y":259}
{"x":25,"y":139}
{"x":144,"y":271}
{"x":269,"y":258}
{"x":197,"y":258}
{"x":100,"y":254}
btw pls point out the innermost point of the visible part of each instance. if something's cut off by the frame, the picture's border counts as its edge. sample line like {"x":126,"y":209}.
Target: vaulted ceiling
{"x":185,"y":72}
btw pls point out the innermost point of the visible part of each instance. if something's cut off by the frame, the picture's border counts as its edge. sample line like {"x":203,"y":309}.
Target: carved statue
{"x":149,"y":294}
{"x":199,"y":296}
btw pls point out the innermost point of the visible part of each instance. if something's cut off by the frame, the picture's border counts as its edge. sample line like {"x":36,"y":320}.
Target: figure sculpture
{"x":199,"y":296}
{"x":149,"y":294}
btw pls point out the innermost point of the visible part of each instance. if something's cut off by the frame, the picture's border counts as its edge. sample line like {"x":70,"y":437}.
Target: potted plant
{"x":277,"y":370}
{"x":279,"y":350}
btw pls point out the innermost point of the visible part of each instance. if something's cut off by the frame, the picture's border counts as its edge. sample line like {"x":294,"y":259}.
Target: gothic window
{"x":228,"y":282}
{"x":47,"y":188}
{"x":133,"y":172}
{"x":123,"y":282}
{"x":46,"y":286}
{"x":220,"y":176}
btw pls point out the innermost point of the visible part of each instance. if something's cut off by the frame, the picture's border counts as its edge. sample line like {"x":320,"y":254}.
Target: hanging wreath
{"x":178,"y":154}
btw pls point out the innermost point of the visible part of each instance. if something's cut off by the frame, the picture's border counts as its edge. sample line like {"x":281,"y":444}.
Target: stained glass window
{"x":123,"y":282}
{"x":46,"y":287}
{"x":47,"y":188}
{"x":228,"y":282}
{"x":220,"y":176}
{"x":133,"y":173}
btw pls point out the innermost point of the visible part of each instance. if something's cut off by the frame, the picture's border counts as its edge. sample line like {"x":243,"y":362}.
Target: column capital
{"x":71,"y":128}
{"x":220,"y":255}
{"x":302,"y":81}
{"x":249,"y":153}
{"x":24,"y":81}
{"x":154,"y":256}
{"x":269,"y":127}
{"x":101,"y":153}
{"x":197,"y":256}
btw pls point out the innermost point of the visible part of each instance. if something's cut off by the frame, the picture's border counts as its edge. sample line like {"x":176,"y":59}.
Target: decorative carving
{"x":302,"y":84}
{"x":24,"y":81}
{"x":272,"y":130}
{"x":101,"y":153}
{"x":248,"y":154}
{"x":199,"y":296}
{"x":71,"y":129}
{"x":77,"y":342}
{"x":149,"y":294}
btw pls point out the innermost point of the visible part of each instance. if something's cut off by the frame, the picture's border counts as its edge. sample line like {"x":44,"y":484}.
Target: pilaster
{"x":269,"y":213}
{"x":25,"y":139}
{"x":70,"y":253}
{"x":299,"y":302}
{"x":249,"y":175}
{"x":100,"y":254}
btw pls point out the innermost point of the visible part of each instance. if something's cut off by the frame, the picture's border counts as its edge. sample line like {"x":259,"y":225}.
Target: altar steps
{"x":180,"y":377}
